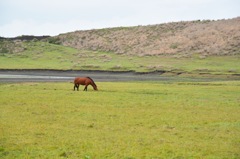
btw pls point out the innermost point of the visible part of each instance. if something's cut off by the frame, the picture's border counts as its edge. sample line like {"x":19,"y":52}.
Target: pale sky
{"x":53,"y":17}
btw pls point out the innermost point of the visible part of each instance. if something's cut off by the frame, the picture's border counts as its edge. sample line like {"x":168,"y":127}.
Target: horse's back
{"x":80,"y":80}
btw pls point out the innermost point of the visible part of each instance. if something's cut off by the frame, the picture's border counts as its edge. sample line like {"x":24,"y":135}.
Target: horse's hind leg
{"x":76,"y":86}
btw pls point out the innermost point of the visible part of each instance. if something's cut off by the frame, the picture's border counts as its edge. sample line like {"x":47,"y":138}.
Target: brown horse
{"x":84,"y":81}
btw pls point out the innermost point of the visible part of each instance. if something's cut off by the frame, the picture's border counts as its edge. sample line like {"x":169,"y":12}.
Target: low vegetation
{"x":121,"y":120}
{"x":43,"y":55}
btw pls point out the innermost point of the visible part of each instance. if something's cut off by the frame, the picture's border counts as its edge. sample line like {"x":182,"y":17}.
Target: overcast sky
{"x":52,"y":17}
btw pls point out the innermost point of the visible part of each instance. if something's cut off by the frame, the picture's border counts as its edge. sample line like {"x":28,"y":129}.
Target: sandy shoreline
{"x":69,"y":75}
{"x":38,"y":75}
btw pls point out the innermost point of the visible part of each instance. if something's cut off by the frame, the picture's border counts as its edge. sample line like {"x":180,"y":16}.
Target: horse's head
{"x":95,"y":88}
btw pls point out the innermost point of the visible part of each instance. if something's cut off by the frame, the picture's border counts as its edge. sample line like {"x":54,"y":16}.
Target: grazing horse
{"x":84,"y":81}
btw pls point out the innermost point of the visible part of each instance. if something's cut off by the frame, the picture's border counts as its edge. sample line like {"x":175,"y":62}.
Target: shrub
{"x":174,"y":45}
{"x":54,"y":40}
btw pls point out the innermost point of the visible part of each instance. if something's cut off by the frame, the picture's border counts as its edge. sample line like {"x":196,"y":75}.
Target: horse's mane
{"x":92,"y":81}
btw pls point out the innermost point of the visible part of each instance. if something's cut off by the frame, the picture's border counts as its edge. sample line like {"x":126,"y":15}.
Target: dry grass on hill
{"x":181,"y":39}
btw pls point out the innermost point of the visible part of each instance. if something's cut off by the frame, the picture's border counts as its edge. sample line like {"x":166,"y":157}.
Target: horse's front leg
{"x":85,"y":89}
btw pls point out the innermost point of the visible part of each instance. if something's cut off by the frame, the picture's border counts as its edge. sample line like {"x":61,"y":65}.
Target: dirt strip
{"x":69,"y":75}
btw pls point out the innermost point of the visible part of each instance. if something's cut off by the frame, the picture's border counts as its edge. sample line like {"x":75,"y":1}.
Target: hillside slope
{"x":196,"y":48}
{"x":181,"y":39}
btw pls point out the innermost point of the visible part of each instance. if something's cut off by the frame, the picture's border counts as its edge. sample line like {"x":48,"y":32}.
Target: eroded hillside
{"x":181,"y":39}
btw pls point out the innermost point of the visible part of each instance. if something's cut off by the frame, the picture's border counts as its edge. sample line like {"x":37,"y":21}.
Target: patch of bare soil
{"x":98,"y":76}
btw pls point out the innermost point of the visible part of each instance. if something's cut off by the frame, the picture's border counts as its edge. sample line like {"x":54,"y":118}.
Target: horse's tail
{"x":93,"y":83}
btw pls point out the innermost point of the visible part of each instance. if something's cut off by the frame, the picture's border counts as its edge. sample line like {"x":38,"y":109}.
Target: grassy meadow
{"x":43,"y":55}
{"x":122,"y":120}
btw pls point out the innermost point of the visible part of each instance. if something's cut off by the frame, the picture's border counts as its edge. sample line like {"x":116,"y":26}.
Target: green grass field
{"x":42,"y":55}
{"x":122,"y":120}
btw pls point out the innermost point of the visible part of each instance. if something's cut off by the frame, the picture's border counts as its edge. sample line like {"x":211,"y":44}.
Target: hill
{"x":195,"y":48}
{"x":182,"y":39}
{"x":26,"y":37}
